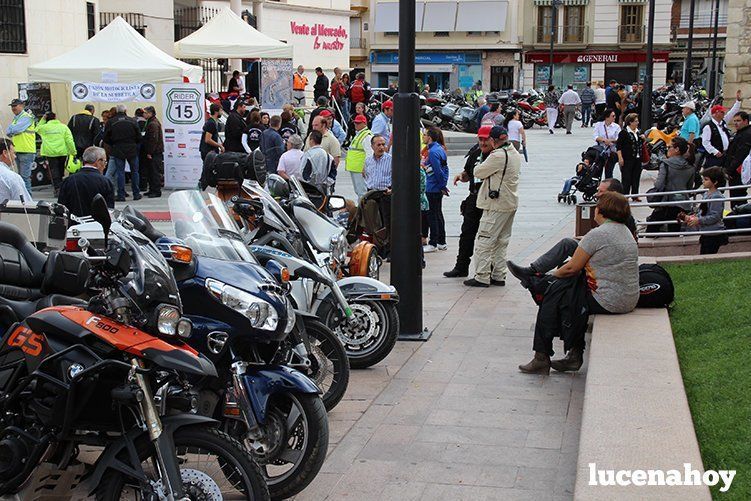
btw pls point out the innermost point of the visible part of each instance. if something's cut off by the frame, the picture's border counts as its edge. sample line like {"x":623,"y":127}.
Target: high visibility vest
{"x":26,"y":141}
{"x":299,"y":81}
{"x":356,"y":154}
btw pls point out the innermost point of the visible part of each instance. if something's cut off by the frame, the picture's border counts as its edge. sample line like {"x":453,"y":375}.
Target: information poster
{"x":37,"y":97}
{"x":182,"y":121}
{"x":276,"y":83}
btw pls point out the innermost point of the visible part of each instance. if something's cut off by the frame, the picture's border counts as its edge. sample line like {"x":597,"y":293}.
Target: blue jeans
{"x":586,"y":114}
{"x":116,"y":172}
{"x":25,"y":162}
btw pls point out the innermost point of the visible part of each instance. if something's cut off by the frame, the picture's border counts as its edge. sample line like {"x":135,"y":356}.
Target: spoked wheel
{"x":374,"y":263}
{"x":213,"y":467}
{"x":329,"y":367}
{"x":292,"y":445}
{"x":370,"y":336}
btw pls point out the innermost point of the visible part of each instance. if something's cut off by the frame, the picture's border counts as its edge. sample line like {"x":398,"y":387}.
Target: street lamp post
{"x":646,"y":100}
{"x":713,"y":72}
{"x":553,"y":29}
{"x":688,"y":73}
{"x":406,"y":266}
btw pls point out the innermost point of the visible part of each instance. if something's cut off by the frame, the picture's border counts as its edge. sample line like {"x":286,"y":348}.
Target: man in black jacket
{"x":77,"y":191}
{"x":123,"y":136}
{"x":736,"y":153}
{"x":470,"y":213}
{"x":152,"y":154}
{"x":321,"y":87}
{"x":236,"y":129}
{"x":84,"y":126}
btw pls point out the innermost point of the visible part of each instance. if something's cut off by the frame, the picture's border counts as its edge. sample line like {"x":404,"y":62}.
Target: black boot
{"x":456,"y":272}
{"x":538,"y":365}
{"x":524,"y":274}
{"x":572,"y":362}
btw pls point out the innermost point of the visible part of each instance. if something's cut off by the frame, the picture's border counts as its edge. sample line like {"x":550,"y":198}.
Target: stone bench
{"x":636,"y":414}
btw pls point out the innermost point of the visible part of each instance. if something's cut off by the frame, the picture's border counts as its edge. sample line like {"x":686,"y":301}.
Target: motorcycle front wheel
{"x":293,"y":444}
{"x":329,"y":364}
{"x":213,"y":467}
{"x":371,"y":336}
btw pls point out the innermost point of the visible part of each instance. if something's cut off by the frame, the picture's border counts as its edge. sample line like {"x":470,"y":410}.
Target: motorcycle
{"x":658,"y":141}
{"x":360,"y":310}
{"x":126,"y":347}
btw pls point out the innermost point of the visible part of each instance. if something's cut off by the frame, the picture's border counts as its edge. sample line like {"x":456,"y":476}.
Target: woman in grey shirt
{"x":608,"y":255}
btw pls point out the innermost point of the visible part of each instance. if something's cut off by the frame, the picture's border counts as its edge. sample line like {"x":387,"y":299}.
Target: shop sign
{"x":430,"y":58}
{"x":321,"y":35}
{"x":103,"y":92}
{"x":594,"y":57}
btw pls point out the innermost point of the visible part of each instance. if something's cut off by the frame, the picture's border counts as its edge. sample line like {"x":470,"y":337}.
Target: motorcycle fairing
{"x":262,"y":384}
{"x":364,"y":288}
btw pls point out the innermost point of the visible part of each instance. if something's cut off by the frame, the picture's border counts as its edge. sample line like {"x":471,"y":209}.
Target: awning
{"x":482,"y":16}
{"x":439,"y":16}
{"x":387,"y":17}
{"x":566,"y":2}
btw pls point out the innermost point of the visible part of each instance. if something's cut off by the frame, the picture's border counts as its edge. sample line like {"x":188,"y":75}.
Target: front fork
{"x":169,"y":470}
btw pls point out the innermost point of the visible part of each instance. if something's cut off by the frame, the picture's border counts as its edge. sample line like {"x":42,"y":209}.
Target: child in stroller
{"x":587,"y":177}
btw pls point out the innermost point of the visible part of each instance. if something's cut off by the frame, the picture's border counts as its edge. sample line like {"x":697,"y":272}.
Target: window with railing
{"x":632,"y":24}
{"x":12,"y":27}
{"x":544,"y":23}
{"x":357,"y":43}
{"x":90,"y":19}
{"x":573,"y":24}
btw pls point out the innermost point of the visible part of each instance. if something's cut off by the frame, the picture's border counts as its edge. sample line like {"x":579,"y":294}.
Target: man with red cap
{"x":470,"y":213}
{"x":382,"y":123}
{"x":715,"y":136}
{"x":359,"y":149}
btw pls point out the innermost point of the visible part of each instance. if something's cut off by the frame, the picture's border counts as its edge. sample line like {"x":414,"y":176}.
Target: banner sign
{"x":594,"y":57}
{"x":98,"y":92}
{"x":182,"y":123}
{"x":276,"y":83}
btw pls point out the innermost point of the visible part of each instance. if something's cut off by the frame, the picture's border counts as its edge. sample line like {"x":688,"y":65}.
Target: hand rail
{"x":697,"y":191}
{"x":693,"y":233}
{"x":681,"y":202}
{"x":675,"y":221}
{"x":336,"y":106}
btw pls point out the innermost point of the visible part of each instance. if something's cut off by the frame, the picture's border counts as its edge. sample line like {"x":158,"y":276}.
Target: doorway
{"x":625,"y":75}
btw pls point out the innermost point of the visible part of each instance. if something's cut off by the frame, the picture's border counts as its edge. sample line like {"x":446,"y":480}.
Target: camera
{"x":493,"y":194}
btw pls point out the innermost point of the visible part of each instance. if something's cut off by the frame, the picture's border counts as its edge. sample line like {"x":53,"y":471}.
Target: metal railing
{"x":358,"y":43}
{"x":631,"y":33}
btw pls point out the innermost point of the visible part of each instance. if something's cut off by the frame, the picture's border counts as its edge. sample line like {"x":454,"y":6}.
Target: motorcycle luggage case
{"x":43,"y":223}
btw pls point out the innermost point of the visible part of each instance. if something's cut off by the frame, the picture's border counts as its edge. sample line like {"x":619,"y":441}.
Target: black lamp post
{"x":553,"y":30}
{"x":406,"y":266}
{"x":713,"y":71}
{"x":688,"y":73}
{"x":646,"y":101}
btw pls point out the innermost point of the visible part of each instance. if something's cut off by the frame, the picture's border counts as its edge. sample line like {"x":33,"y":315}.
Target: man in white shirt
{"x":12,"y":186}
{"x":569,"y":100}
{"x":715,"y":137}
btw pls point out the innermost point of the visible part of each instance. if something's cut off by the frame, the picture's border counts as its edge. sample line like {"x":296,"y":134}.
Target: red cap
{"x":360,"y":119}
{"x":387,"y":104}
{"x":718,"y":107}
{"x":484,"y":131}
{"x":325,"y":113}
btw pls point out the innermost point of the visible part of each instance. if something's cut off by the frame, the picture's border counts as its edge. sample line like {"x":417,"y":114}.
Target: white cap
{"x":689,"y":104}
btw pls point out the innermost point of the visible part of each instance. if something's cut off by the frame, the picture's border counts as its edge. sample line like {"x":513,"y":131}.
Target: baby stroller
{"x":587,"y":178}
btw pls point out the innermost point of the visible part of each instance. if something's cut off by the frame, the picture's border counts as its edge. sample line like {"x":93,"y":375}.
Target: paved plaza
{"x":453,"y":418}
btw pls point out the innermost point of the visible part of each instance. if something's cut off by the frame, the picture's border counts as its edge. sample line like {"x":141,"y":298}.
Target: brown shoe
{"x":538,"y":365}
{"x":571,"y":362}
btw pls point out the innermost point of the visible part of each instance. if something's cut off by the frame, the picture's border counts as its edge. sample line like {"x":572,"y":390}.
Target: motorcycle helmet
{"x":277,"y":186}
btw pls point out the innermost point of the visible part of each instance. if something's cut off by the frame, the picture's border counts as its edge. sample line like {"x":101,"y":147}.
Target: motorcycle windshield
{"x":204,"y":223}
{"x":254,"y":189}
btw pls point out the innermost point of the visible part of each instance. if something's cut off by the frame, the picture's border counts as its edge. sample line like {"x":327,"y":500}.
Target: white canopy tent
{"x":226,"y":35}
{"x":118,"y":52}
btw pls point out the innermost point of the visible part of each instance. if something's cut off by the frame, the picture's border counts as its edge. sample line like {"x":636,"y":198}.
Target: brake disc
{"x":363,"y":329}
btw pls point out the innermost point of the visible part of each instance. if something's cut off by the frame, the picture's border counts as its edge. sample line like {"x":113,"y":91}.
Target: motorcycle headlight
{"x":260,"y":313}
{"x":167,"y":320}
{"x":291,"y":317}
{"x":339,"y":248}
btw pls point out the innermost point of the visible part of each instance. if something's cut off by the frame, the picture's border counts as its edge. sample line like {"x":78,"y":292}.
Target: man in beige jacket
{"x":498,"y":198}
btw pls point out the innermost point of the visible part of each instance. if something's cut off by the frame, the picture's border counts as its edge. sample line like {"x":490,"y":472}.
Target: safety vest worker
{"x":299,"y":82}
{"x":24,"y":141}
{"x":356,"y":153}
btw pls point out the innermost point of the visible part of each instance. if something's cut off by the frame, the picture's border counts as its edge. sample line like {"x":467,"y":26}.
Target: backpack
{"x":357,"y":92}
{"x":656,"y":288}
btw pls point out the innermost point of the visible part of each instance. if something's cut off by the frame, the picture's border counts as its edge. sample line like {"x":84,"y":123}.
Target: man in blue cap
{"x":498,"y":198}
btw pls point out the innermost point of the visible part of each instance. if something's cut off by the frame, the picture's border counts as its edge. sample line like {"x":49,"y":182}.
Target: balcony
{"x":358,"y":47}
{"x":631,"y":33}
{"x":569,"y":35}
{"x":359,"y":5}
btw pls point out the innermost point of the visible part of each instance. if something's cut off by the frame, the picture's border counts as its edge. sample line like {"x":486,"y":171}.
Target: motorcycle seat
{"x":21,"y":264}
{"x":23,"y":309}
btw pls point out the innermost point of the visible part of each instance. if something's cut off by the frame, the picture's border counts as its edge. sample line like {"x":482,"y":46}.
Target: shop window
{"x":544,"y":23}
{"x":501,"y":78}
{"x":632,"y":24}
{"x":440,"y":33}
{"x":573,"y":24}
{"x":90,"y":19}
{"x":12,"y":27}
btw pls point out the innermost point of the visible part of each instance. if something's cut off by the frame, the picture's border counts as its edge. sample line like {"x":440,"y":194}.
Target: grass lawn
{"x":712,"y":329}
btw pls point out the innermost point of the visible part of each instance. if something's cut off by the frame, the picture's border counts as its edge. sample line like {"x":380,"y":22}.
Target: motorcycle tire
{"x":326,"y":348}
{"x":365,"y":354}
{"x":308,"y":457}
{"x":191,"y":440}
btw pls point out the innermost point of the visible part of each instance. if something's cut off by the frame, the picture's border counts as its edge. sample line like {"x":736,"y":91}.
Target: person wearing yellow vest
{"x":359,"y":149}
{"x":22,"y":130}
{"x":57,"y":145}
{"x":299,"y":82}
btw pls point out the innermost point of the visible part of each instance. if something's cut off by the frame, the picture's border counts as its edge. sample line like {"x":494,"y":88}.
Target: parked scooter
{"x":360,"y":310}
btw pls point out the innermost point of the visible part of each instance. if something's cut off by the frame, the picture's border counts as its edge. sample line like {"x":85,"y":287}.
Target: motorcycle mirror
{"x":337,"y":202}
{"x":101,"y":214}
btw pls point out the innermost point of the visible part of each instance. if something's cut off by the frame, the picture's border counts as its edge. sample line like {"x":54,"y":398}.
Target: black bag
{"x":656,"y":288}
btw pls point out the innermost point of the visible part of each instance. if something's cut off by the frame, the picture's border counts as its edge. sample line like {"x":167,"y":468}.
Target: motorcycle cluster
{"x":193,"y":367}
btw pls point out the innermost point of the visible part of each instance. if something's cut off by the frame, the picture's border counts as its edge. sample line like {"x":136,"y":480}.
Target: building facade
{"x":459,"y":42}
{"x":738,"y":51}
{"x":599,"y":40}
{"x":703,"y":34}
